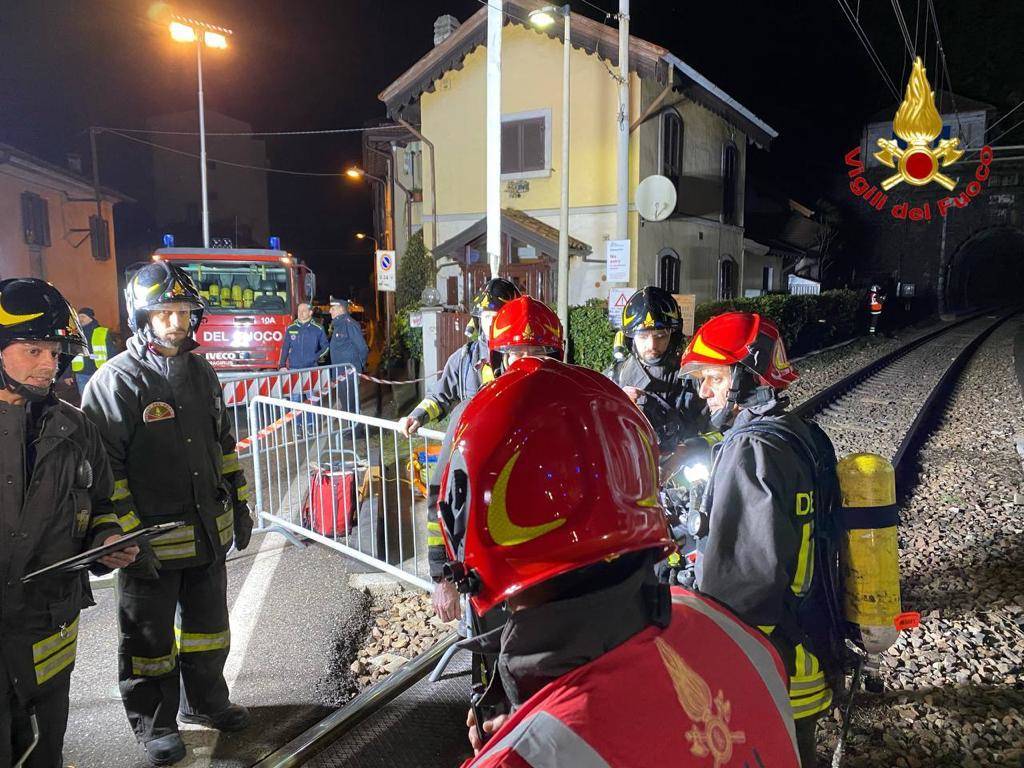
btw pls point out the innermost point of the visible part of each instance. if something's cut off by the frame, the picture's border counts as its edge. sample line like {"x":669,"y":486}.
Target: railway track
{"x":885,"y":407}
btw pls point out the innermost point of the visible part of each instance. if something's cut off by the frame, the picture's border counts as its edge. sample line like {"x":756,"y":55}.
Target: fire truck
{"x":251,"y":297}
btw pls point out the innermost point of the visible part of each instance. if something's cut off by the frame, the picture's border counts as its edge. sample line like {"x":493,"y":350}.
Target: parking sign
{"x":385,"y":270}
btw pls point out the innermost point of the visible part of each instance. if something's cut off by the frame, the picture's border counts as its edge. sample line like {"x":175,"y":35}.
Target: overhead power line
{"x":862,"y":36}
{"x":230,"y":163}
{"x":316,"y":132}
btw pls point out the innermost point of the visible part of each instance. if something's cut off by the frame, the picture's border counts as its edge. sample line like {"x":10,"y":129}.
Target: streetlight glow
{"x":354,"y":173}
{"x":542,"y":18}
{"x":182,"y":33}
{"x":360,"y":236}
{"x":215,"y":40}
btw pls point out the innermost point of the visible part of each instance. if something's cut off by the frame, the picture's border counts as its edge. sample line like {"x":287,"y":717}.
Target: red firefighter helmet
{"x":525,"y":322}
{"x":552,"y":469}
{"x":745,"y":339}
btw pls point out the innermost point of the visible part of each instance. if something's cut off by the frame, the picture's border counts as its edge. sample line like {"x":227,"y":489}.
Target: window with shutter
{"x":525,"y":144}
{"x":35,"y":219}
{"x":672,"y":146}
{"x":730,"y":178}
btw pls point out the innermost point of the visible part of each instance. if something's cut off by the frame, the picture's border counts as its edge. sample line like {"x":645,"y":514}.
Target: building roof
{"x":516,"y":224}
{"x":648,"y":60}
{"x":13,"y":156}
{"x":943,"y":102}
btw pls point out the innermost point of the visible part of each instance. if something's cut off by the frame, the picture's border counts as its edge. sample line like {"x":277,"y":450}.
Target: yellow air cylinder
{"x":869,"y":556}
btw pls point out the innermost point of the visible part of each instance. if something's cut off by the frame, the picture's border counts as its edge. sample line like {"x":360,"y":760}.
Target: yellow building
{"x":681,"y":126}
{"x":49,"y":229}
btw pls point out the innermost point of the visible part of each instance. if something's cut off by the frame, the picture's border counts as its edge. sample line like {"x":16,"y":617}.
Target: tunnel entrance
{"x":987,"y":268}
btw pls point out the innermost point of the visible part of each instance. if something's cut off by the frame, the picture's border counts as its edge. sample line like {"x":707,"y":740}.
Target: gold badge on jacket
{"x":710,"y":734}
{"x":157,"y":411}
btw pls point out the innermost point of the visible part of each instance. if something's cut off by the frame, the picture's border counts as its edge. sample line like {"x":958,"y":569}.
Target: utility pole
{"x":563,"y":214}
{"x":495,"y":18}
{"x":622,"y":203}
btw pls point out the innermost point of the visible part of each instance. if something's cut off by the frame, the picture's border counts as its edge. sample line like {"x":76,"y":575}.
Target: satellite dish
{"x":656,"y":198}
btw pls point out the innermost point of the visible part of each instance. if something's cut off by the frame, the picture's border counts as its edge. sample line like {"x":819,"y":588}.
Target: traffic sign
{"x":617,"y":298}
{"x":386,"y":271}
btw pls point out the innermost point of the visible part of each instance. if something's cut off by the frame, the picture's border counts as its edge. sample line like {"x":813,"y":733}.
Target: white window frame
{"x":544,"y":172}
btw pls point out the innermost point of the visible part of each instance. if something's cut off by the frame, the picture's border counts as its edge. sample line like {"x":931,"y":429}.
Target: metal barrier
{"x":333,"y":386}
{"x":348,"y":481}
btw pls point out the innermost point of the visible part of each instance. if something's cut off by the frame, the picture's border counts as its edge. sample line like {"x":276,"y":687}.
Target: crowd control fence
{"x":353,"y":483}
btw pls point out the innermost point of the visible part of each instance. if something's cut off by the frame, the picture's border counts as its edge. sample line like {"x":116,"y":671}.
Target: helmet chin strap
{"x":31,"y":393}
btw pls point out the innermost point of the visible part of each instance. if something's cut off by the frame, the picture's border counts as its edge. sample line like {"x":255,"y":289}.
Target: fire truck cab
{"x":251,"y":297}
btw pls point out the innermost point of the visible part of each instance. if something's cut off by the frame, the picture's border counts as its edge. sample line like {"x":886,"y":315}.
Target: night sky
{"x":309,"y":64}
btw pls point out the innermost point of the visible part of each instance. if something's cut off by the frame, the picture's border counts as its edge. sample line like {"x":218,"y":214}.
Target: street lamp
{"x":364,"y":236}
{"x":186,"y":30}
{"x":376,"y":291}
{"x":542,"y":18}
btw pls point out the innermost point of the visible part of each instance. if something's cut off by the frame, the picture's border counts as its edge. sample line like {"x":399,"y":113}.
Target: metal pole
{"x":563,"y":214}
{"x":95,"y":171}
{"x":202,"y":143}
{"x":622,"y":203}
{"x":495,"y":17}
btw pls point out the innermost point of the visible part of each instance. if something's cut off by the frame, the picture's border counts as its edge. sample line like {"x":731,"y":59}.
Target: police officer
{"x":466,"y":370}
{"x":304,"y":344}
{"x":755,"y":553}
{"x":100,"y":348}
{"x":161,"y":413}
{"x":348,"y":347}
{"x":572,"y":560}
{"x":54,"y":504}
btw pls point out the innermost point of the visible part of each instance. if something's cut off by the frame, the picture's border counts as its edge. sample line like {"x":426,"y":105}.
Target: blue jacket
{"x":303,"y":345}
{"x":347,"y":343}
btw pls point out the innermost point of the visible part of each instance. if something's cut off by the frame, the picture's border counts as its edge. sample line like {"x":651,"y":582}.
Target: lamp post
{"x":543,"y":18}
{"x":376,"y":292}
{"x":186,"y":30}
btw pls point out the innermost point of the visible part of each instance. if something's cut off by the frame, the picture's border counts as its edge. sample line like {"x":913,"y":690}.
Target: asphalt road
{"x":286,"y":604}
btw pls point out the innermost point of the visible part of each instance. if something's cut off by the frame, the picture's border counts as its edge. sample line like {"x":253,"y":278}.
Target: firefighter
{"x":648,"y":368}
{"x":876,"y":303}
{"x":348,"y":347}
{"x":571,"y":558}
{"x":755,"y":553}
{"x":160,"y":410}
{"x":54,"y":504}
{"x":522,"y":327}
{"x":467,"y":368}
{"x":100,"y":348}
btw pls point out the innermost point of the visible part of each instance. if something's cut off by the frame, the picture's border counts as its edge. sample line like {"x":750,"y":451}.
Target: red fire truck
{"x":251,"y":296}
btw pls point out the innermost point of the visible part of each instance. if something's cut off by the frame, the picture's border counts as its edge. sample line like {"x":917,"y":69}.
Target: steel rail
{"x":324,"y":733}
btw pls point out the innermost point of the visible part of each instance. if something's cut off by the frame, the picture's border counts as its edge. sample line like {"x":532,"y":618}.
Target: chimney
{"x":73,"y":161}
{"x":443,"y":28}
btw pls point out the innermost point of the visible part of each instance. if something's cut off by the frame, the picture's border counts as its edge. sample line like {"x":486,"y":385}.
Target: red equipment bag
{"x":330,"y":507}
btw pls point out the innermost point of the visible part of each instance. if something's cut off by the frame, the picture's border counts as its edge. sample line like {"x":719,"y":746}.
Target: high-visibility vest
{"x":98,"y":342}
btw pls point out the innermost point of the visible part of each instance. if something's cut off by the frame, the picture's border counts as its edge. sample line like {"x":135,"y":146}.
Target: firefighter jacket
{"x":303,"y":345}
{"x":758,"y":555}
{"x":437,"y":556}
{"x":55,"y":488}
{"x":171,"y":451}
{"x":674,"y":409}
{"x":101,"y":347}
{"x":466,"y":370}
{"x":348,"y":347}
{"x":713,"y":692}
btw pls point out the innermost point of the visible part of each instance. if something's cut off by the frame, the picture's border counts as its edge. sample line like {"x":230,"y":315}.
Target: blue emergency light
{"x":168,"y":241}
{"x":275,"y":243}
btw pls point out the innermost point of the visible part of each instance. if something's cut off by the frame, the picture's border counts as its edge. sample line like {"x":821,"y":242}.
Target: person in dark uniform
{"x":160,"y":410}
{"x":756,"y":554}
{"x":55,"y":488}
{"x":304,"y":344}
{"x":647,"y":369}
{"x":467,"y":369}
{"x":348,"y":347}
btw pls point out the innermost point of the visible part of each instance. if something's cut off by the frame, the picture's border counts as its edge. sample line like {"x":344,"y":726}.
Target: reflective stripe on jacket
{"x":713,"y":693}
{"x":99,"y":352}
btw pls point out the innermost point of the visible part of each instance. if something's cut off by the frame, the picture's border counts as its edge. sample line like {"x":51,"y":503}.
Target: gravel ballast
{"x":955,"y":685}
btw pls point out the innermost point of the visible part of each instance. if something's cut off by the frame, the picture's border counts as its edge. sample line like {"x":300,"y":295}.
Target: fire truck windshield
{"x":242,"y":288}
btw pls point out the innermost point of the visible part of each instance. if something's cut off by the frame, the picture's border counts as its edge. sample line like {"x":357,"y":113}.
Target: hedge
{"x":807,"y":322}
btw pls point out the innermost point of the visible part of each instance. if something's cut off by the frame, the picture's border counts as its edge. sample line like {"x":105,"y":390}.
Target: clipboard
{"x":85,"y":559}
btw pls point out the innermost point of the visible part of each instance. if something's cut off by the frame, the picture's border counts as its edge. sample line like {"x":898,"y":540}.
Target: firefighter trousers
{"x":174,"y":643}
{"x":51,"y":711}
